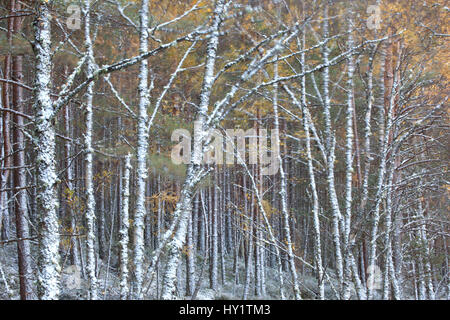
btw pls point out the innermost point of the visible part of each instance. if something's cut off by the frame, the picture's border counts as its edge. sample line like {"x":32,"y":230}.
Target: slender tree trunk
{"x":70,"y":191}
{"x":6,"y":117}
{"x":349,"y":168}
{"x":426,"y":254}
{"x":248,"y":264}
{"x":101,"y":215}
{"x":330,"y":149}
{"x":190,"y":254}
{"x":283,"y":195}
{"x":214,"y":211}
{"x":89,"y":155}
{"x":123,"y":232}
{"x":22,"y":230}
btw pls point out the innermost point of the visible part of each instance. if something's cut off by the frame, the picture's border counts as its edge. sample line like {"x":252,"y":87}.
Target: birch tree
{"x":89,"y":154}
{"x":283,"y":194}
{"x":349,"y":165}
{"x":124,"y":229}
{"x":142,"y":136}
{"x":44,"y":142}
{"x":330,"y":143}
{"x":194,"y":169}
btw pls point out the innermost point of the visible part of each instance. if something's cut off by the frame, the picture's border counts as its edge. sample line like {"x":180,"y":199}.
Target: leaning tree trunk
{"x":283,"y":194}
{"x":194,"y":169}
{"x":307,"y":122}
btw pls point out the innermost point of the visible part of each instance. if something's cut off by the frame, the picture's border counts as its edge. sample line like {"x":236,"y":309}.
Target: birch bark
{"x":123,"y":232}
{"x":46,"y":178}
{"x":283,"y":193}
{"x":349,"y":167}
{"x":142,"y":149}
{"x":89,"y":155}
{"x":330,"y":147}
{"x":194,"y":171}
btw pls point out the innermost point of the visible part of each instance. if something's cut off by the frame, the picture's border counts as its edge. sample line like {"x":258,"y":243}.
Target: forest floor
{"x":73,"y":287}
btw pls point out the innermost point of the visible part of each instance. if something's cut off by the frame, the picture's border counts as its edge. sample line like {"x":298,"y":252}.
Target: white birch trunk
{"x":142,"y":149}
{"x":89,"y":154}
{"x":330,"y":147}
{"x":307,"y":123}
{"x":426,"y":255}
{"x":283,"y":193}
{"x":123,"y":231}
{"x":346,"y":291}
{"x":390,"y":277}
{"x":46,"y":178}
{"x":194,"y":170}
{"x":190,"y":255}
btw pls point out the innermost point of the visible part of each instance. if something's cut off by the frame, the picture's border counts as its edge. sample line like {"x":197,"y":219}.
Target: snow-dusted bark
{"x":44,"y":142}
{"x":348,"y":166}
{"x":123,"y":231}
{"x":363,"y":205}
{"x":88,"y":158}
{"x":368,"y":133}
{"x":330,"y":150}
{"x":283,"y":193}
{"x":175,"y":245}
{"x":141,"y":153}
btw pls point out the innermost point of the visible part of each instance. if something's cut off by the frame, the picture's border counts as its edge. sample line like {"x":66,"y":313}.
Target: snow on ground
{"x":73,"y":286}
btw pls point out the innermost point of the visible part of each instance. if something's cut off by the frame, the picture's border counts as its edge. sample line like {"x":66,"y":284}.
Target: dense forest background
{"x":353,"y":97}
